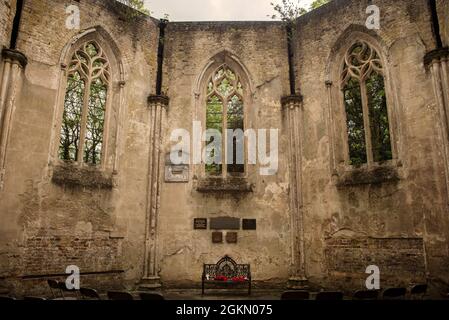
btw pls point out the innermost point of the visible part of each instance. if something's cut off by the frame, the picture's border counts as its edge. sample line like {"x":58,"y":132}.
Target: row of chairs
{"x":91,"y":294}
{"x":417,"y":292}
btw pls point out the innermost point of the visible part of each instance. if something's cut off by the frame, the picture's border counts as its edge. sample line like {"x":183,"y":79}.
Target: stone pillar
{"x":437,"y":62}
{"x":13,"y":64}
{"x":158,"y":106}
{"x":292,"y":106}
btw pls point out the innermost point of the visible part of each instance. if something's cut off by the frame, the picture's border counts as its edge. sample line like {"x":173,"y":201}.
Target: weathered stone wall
{"x":395,"y":217}
{"x":48,"y":225}
{"x":262,"y":50}
{"x":7,"y":9}
{"x":443,"y":15}
{"x":352,"y":224}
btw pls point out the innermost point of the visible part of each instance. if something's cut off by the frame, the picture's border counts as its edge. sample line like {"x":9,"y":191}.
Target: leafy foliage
{"x":289,"y":10}
{"x":318,"y":3}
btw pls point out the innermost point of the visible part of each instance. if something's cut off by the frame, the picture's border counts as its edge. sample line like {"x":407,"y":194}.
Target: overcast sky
{"x":214,"y":10}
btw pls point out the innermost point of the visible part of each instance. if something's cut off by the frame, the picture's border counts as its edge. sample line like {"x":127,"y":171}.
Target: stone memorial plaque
{"x":249,"y":224}
{"x":231,"y":237}
{"x":199,"y":224}
{"x":176,"y":173}
{"x":217,"y":237}
{"x":225,"y":223}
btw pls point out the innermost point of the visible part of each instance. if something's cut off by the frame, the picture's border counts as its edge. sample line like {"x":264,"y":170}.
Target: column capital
{"x":292,"y":101}
{"x":15,"y":56}
{"x":436,"y":56}
{"x":154,"y":100}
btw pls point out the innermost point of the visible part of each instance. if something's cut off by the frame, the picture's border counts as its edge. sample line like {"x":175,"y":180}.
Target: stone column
{"x":292,"y":106}
{"x":437,"y":62}
{"x":158,"y":105}
{"x":13,"y":64}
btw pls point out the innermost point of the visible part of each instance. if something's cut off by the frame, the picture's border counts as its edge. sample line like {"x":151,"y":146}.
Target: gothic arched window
{"x":224,"y":113}
{"x":365,"y":101}
{"x":82,"y":129}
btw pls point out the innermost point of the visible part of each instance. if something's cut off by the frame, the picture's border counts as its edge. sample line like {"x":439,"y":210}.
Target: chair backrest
{"x":394,"y":294}
{"x":419,"y":289}
{"x":55,"y":287}
{"x":34,"y":299}
{"x":151,"y":296}
{"x":366,"y":295}
{"x":53,"y":284}
{"x":6,"y":298}
{"x":89,"y":293}
{"x":329,"y":296}
{"x":295,"y":295}
{"x":119,"y":295}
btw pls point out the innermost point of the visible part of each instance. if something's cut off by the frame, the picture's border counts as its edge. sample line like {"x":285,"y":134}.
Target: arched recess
{"x":218,"y":60}
{"x":337,"y":121}
{"x":113,"y":103}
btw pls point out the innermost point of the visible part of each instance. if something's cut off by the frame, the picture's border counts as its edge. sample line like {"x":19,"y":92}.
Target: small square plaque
{"x":231,"y":237}
{"x":249,"y":224}
{"x":200,"y":224}
{"x":217,"y":237}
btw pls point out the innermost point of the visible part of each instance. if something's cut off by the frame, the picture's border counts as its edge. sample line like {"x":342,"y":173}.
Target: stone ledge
{"x":15,"y":55}
{"x":435,"y":55}
{"x":364,"y":176}
{"x":69,"y":174}
{"x":158,"y":99}
{"x":220,"y":185}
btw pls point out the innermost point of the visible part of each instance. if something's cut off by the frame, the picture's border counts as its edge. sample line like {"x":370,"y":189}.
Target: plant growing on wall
{"x":289,"y":10}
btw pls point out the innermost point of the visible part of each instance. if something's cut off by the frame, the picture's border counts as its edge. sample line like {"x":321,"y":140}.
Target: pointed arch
{"x":227,"y":57}
{"x":90,"y":96}
{"x":223,"y":96}
{"x":362,"y":102}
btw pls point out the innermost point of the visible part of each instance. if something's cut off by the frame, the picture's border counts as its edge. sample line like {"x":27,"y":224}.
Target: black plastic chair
{"x":394,"y":294}
{"x":418,"y":291}
{"x":366,"y":295}
{"x":329,"y":296}
{"x":89,"y":294}
{"x":72,"y":293}
{"x":55,"y":287}
{"x":295,"y":295}
{"x":34,"y":299}
{"x":151,"y":296}
{"x":119,"y":295}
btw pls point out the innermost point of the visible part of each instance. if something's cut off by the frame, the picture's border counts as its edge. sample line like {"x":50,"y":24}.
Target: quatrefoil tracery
{"x":360,"y":62}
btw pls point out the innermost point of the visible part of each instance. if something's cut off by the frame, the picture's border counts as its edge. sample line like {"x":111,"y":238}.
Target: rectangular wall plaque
{"x":217,"y":237}
{"x":249,"y":224}
{"x":199,"y":224}
{"x":231,"y":237}
{"x":225,"y":223}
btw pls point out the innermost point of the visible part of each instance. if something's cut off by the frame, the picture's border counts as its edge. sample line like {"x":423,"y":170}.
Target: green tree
{"x":136,"y":4}
{"x":318,"y":3}
{"x":289,"y":10}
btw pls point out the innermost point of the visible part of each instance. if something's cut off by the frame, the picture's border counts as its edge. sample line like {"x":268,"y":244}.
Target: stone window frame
{"x":336,"y":117}
{"x":200,"y":96}
{"x":113,"y":112}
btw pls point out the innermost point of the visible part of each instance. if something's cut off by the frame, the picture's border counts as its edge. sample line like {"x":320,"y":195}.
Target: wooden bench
{"x":227,"y":273}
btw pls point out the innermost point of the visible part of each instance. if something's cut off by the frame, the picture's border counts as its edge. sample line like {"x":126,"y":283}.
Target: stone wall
{"x":413,"y":207}
{"x":53,"y":215}
{"x":7,"y":9}
{"x":443,"y":15}
{"x":47,"y":226}
{"x":259,"y":48}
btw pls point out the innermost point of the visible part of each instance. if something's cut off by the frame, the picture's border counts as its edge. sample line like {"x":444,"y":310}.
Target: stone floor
{"x":211,"y":294}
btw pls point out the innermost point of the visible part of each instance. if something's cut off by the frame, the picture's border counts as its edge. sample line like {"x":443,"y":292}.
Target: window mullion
{"x":366,"y":123}
{"x":224,"y":151}
{"x":83,"y":124}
